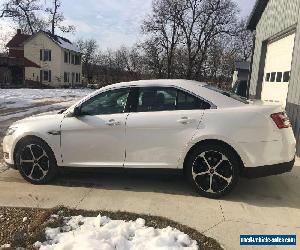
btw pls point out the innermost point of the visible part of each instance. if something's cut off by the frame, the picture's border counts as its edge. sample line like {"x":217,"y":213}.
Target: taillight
{"x":281,"y":120}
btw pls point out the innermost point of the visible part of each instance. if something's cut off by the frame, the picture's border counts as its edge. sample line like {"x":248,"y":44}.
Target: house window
{"x":279,"y":77}
{"x":66,"y":56}
{"x":268,"y":77}
{"x":286,"y":76}
{"x":45,"y":55}
{"x":45,"y":75}
{"x":77,"y":59}
{"x":77,"y":77}
{"x":72,"y":59}
{"x":66,"y":77}
{"x":273,"y":77}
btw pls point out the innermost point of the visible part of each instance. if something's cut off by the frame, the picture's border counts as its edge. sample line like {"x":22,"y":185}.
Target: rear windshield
{"x":228,"y":94}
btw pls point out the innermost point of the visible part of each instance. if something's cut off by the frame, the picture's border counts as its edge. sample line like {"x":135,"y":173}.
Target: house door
{"x":278,"y":69}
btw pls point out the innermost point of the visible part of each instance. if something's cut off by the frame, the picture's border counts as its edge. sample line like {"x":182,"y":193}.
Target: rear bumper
{"x":264,"y":171}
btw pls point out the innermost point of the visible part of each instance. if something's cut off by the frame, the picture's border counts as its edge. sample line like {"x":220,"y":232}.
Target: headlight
{"x":10,"y":131}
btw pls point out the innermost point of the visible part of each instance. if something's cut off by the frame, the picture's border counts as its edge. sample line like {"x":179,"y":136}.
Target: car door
{"x":96,"y":136}
{"x":163,"y":120}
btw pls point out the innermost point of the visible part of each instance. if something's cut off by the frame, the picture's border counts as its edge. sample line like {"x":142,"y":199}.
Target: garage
{"x":278,"y":69}
{"x":275,"y":63}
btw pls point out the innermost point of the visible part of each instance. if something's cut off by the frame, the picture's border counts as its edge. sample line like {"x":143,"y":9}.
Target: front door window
{"x":109,"y":102}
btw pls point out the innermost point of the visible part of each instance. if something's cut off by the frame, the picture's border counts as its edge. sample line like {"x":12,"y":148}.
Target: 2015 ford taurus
{"x":214,"y":136}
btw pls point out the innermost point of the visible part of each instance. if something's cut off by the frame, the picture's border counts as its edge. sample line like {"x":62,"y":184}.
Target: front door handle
{"x":185,"y":120}
{"x":112,"y":122}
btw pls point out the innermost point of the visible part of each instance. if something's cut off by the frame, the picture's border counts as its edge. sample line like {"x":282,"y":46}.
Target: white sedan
{"x":214,"y":136}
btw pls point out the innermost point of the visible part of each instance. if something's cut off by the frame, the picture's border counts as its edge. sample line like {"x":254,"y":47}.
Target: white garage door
{"x":278,"y":69}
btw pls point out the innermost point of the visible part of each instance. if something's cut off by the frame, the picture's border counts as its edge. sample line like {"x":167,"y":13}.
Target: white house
{"x":59,"y":60}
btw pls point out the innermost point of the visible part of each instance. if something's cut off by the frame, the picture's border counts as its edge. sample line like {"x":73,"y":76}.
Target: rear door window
{"x":153,"y":99}
{"x":156,"y":99}
{"x":186,"y":101}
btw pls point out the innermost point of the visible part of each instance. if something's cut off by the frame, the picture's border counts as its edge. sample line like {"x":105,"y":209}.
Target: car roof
{"x":198,"y":88}
{"x":159,"y":82}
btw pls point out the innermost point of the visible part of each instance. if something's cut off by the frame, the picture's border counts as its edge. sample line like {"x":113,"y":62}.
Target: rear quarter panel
{"x":250,"y":131}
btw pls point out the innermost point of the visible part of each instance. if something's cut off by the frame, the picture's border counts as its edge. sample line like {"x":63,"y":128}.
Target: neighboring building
{"x":275,"y":69}
{"x":41,"y":59}
{"x":241,"y":72}
{"x":12,"y":67}
{"x":59,"y":59}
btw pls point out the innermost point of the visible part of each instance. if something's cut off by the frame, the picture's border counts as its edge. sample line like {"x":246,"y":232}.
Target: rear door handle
{"x":112,"y":122}
{"x":185,"y":120}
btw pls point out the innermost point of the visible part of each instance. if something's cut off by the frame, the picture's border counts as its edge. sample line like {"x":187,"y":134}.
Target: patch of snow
{"x":20,"y":98}
{"x":5,"y":246}
{"x":67,"y":45}
{"x":103,"y":233}
{"x":41,"y":110}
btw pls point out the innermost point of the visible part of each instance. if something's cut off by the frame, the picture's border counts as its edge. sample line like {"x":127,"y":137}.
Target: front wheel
{"x":35,"y":161}
{"x":213,"y":170}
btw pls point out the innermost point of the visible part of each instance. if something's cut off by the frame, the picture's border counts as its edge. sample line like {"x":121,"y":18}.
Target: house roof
{"x":17,"y":40}
{"x":30,"y":64}
{"x":61,"y":41}
{"x":17,"y":62}
{"x":242,"y":65}
{"x":256,"y":14}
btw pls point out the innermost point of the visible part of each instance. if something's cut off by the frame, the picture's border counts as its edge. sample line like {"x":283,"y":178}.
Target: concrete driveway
{"x":261,"y":206}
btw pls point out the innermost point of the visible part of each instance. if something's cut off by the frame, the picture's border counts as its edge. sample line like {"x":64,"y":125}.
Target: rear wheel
{"x":35,"y":161}
{"x":213,"y":170}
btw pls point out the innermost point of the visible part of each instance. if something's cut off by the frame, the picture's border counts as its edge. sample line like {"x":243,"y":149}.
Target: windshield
{"x":228,"y":94}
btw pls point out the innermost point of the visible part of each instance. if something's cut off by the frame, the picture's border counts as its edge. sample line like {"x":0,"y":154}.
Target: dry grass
{"x":17,"y":233}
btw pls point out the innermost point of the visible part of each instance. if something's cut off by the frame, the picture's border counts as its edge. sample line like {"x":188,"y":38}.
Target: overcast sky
{"x":111,"y":22}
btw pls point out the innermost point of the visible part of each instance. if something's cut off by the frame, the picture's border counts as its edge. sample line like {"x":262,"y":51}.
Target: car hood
{"x":49,"y":118}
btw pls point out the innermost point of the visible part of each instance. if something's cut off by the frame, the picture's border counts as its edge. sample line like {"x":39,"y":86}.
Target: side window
{"x":187,"y":101}
{"x":273,"y":76}
{"x":152,"y":99}
{"x":156,"y":99}
{"x":268,"y":77}
{"x":109,"y":102}
{"x":286,"y":76}
{"x":279,"y":77}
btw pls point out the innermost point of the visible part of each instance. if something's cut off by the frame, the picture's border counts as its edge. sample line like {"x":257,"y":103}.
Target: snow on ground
{"x":20,"y":98}
{"x":35,"y":110}
{"x":102,"y":233}
{"x":18,"y":103}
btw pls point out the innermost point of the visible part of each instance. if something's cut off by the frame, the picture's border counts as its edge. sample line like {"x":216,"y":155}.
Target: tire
{"x":35,"y":161}
{"x":212,"y":169}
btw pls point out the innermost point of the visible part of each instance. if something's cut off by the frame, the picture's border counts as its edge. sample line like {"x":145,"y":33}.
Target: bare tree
{"x":56,"y":18}
{"x":24,"y":13}
{"x":202,"y":21}
{"x":153,"y":58}
{"x":243,"y":42}
{"x":88,"y":49}
{"x":163,"y":27}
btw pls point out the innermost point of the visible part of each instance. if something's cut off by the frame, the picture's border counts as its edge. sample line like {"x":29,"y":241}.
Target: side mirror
{"x":77,"y":112}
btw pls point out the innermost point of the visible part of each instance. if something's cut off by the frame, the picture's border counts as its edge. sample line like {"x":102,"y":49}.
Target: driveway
{"x":261,"y":206}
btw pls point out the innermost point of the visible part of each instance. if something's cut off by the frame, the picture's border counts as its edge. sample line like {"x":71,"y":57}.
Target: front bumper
{"x":264,"y":171}
{"x":8,"y":143}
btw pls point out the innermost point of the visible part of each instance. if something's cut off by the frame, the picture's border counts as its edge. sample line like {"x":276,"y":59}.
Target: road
{"x":261,"y":206}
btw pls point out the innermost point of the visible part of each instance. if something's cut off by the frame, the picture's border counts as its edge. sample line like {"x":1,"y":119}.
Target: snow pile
{"x":103,"y":233}
{"x":20,"y":98}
